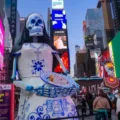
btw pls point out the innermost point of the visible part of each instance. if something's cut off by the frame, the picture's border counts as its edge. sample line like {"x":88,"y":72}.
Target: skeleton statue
{"x":44,"y":94}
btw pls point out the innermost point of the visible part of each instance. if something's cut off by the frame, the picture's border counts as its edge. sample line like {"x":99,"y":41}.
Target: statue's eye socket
{"x":32,"y":21}
{"x":39,"y":21}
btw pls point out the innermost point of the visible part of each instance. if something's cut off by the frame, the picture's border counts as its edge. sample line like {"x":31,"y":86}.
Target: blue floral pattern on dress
{"x":54,"y":109}
{"x":24,"y":108}
{"x":37,"y":66}
{"x":57,"y":107}
{"x":38,"y":115}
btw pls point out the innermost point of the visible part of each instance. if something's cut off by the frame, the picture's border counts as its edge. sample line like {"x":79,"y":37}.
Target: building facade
{"x":95,"y":25}
{"x":108,"y":21}
{"x":115,"y":9}
{"x":79,"y":66}
{"x":57,"y":31}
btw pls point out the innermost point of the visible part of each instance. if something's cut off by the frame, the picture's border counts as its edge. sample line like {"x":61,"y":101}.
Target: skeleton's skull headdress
{"x":35,"y":24}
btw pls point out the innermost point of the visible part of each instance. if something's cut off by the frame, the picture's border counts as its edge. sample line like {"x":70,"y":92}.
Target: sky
{"x":75,"y":13}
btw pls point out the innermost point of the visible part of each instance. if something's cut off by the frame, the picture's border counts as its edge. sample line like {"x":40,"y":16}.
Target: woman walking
{"x":101,"y":105}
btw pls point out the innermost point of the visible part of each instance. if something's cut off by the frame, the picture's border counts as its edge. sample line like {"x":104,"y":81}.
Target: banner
{"x":6,"y":102}
{"x":107,"y":66}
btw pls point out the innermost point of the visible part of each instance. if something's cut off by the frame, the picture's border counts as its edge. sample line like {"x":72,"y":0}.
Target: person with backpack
{"x":101,"y":106}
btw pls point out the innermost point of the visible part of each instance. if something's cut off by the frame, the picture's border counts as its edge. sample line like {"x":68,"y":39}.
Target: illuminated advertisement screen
{"x":57,"y":4}
{"x":60,"y":42}
{"x":59,"y":19}
{"x":59,"y":24}
{"x":58,"y":15}
{"x":64,"y":55}
{"x":1,"y":44}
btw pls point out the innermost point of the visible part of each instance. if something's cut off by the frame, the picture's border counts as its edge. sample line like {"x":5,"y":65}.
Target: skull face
{"x":35,"y":25}
{"x":109,"y":69}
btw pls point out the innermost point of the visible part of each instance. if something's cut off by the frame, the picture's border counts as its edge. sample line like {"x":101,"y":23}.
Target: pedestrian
{"x":118,"y":105}
{"x":101,"y":105}
{"x":84,"y":104}
{"x":89,"y":99}
{"x":75,"y":100}
{"x":110,"y":110}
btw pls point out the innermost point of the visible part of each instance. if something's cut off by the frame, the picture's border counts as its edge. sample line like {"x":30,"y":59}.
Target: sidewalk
{"x":114,"y":117}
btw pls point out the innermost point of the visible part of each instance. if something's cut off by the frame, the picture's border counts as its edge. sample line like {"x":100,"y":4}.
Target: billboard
{"x":60,"y":42}
{"x":89,"y":41}
{"x":57,"y":4}
{"x":64,"y":55}
{"x":107,"y":70}
{"x":1,"y":44}
{"x":59,"y":24}
{"x":59,"y":19}
{"x":6,"y":102}
{"x":58,"y":15}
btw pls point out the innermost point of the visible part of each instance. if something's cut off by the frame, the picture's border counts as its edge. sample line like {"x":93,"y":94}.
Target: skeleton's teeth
{"x":36,"y":30}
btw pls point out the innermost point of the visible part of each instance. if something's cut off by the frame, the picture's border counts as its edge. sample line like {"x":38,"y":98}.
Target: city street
{"x":58,"y":57}
{"x":114,"y":117}
{"x":93,"y":117}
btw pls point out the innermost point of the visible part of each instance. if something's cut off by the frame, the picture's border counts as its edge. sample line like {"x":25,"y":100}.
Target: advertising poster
{"x":64,"y":55}
{"x":58,"y":15}
{"x":59,"y":19}
{"x":6,"y":102}
{"x":59,"y":24}
{"x":108,"y":70}
{"x":1,"y":44}
{"x":89,"y":41}
{"x":57,"y":4}
{"x":60,"y":42}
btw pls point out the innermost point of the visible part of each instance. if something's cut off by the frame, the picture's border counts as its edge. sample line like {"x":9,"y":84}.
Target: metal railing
{"x":81,"y":117}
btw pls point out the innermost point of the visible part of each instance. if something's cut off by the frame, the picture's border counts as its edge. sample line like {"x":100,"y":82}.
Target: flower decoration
{"x":37,"y":66}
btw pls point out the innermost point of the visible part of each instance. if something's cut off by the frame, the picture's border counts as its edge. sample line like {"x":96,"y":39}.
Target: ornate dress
{"x":46,"y":100}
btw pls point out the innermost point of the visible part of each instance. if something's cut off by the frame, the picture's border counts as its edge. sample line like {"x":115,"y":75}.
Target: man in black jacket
{"x":89,"y":99}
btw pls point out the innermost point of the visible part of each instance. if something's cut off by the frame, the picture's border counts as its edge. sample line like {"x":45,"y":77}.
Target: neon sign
{"x":1,"y":44}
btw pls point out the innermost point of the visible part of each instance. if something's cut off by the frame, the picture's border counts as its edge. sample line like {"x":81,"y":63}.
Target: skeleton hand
{"x":24,"y":86}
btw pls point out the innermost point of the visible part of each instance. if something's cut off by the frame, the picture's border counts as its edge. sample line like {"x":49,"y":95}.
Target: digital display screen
{"x":59,"y":19}
{"x":65,"y":59}
{"x":60,"y":42}
{"x":59,"y":24}
{"x":57,"y":4}
{"x":1,"y":44}
{"x":58,"y":15}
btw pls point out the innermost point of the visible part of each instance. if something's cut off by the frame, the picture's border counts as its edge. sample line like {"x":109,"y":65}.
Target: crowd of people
{"x":100,"y":102}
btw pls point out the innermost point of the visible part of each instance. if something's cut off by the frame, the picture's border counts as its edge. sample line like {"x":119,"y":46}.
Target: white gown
{"x":35,"y":58}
